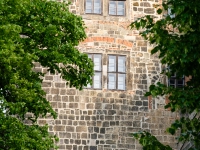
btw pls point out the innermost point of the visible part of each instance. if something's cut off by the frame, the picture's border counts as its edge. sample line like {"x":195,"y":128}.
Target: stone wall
{"x":103,"y":119}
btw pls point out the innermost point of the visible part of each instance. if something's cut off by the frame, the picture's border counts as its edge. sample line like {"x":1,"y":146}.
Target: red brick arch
{"x":108,"y":39}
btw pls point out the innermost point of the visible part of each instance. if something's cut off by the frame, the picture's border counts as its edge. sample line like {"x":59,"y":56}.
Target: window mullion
{"x":116,"y":6}
{"x":92,"y":6}
{"x":116,"y":70}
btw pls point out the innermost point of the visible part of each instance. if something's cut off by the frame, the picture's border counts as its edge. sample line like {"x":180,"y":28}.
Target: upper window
{"x":96,"y":58}
{"x":169,"y":12}
{"x":175,"y":82}
{"x":93,"y":6}
{"x":116,"y":72}
{"x":117,"y":7}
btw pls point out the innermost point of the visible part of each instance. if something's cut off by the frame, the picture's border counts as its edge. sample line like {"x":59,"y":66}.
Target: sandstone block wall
{"x":103,"y":119}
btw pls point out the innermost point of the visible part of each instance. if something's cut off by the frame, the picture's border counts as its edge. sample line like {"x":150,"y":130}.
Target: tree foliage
{"x":176,"y":39}
{"x":35,"y":31}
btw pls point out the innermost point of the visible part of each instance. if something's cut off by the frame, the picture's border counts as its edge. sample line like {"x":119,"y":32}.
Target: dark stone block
{"x":78,"y":142}
{"x":111,"y":112}
{"x":138,"y":103}
{"x":97,"y":142}
{"x":124,"y":107}
{"x":102,"y":117}
{"x":149,"y":10}
{"x":110,"y":142}
{"x":122,"y":95}
{"x":145,"y":103}
{"x":112,"y":123}
{"x":144,"y":109}
{"x":144,"y":81}
{"x":98,"y":106}
{"x":94,"y":118}
{"x":102,"y":130}
{"x":86,"y":147}
{"x":84,"y":142}
{"x":93,"y":147}
{"x":136,"y":124}
{"x":66,"y":141}
{"x":96,"y":129}
{"x":144,"y":98}
{"x":109,"y":118}
{"x":106,"y":124}
{"x":108,"y":106}
{"x":93,"y":136}
{"x":102,"y":142}
{"x":134,"y":108}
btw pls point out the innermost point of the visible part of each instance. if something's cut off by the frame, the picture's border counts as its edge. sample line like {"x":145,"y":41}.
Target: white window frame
{"x":116,"y":7}
{"x":176,"y":81}
{"x":96,"y":71}
{"x":93,"y":7}
{"x":117,"y":73}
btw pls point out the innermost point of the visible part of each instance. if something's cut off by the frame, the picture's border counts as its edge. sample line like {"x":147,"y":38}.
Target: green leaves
{"x":149,"y":142}
{"x":177,"y":42}
{"x":159,"y":11}
{"x":47,"y":33}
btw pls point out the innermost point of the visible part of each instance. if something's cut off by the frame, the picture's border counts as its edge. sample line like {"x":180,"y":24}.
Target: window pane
{"x":121,"y":64}
{"x":121,"y":81}
{"x":112,"y":63}
{"x":97,"y":80}
{"x":111,"y":81}
{"x":172,"y":82}
{"x":88,"y":86}
{"x":112,"y":8}
{"x":88,"y":6}
{"x":90,"y":56}
{"x":97,"y":6}
{"x":97,"y":62}
{"x":180,"y":83}
{"x":173,"y":75}
{"x":120,"y":8}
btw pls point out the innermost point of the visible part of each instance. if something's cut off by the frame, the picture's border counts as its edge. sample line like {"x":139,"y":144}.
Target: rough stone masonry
{"x":102,"y":119}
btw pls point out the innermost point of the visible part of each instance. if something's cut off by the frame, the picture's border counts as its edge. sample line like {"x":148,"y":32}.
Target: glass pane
{"x":97,"y":6}
{"x":121,"y":64}
{"x":120,"y":12}
{"x":112,"y":63}
{"x":97,"y":62}
{"x":120,"y":8}
{"x":97,"y":80}
{"x":170,"y":13}
{"x":112,"y":8}
{"x":173,"y":75}
{"x":172,"y":82}
{"x":90,"y":56}
{"x":121,"y":81}
{"x":88,"y":6}
{"x":111,"y":81}
{"x":88,"y":86}
{"x":180,"y":83}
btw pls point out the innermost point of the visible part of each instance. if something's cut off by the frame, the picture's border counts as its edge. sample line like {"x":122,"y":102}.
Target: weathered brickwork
{"x":103,"y":119}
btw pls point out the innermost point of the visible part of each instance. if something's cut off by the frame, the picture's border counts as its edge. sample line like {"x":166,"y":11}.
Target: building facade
{"x":102,"y":115}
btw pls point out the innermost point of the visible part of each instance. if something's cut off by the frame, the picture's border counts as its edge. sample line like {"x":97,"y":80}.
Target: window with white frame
{"x":169,"y":12}
{"x":97,"y":78}
{"x":93,"y":6}
{"x":116,"y":72}
{"x":117,"y":7}
{"x":176,"y":82}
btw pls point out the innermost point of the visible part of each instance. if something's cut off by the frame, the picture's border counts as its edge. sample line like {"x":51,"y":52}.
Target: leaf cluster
{"x":176,"y":40}
{"x":36,"y":31}
{"x":149,"y":142}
